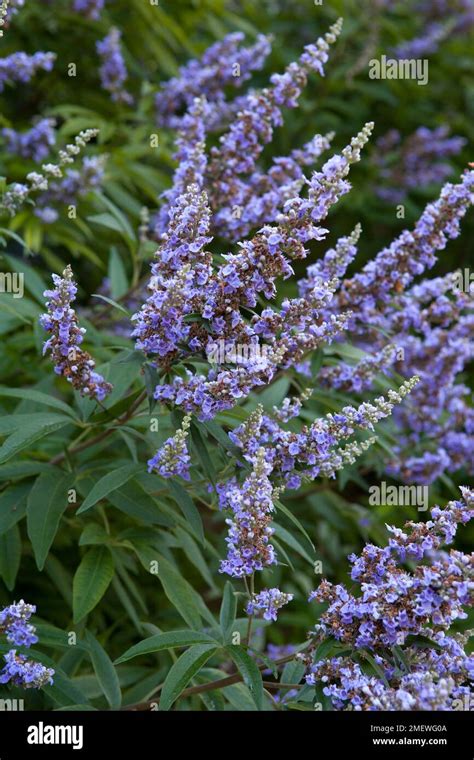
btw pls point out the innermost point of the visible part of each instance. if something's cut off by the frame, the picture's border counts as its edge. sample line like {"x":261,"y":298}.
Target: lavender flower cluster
{"x":13,"y":8}
{"x":74,"y":185}
{"x":267,"y":603}
{"x":415,"y":162}
{"x":223,"y":64}
{"x":44,"y":183}
{"x":113,"y":72}
{"x":21,"y":67}
{"x":91,"y":9}
{"x":250,"y":526}
{"x":194,"y":304}
{"x":19,"y":670}
{"x":395,"y":606}
{"x":441,"y":20}
{"x":70,"y":360}
{"x":197,"y":301}
{"x":36,"y":143}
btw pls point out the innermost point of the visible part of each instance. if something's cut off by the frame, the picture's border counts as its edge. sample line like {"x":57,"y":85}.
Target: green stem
{"x":104,"y":434}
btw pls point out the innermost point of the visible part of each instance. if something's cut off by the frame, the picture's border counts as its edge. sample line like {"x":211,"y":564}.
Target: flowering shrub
{"x":193,"y":445}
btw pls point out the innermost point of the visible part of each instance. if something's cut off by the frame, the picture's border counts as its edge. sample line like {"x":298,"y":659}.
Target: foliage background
{"x":146,"y":519}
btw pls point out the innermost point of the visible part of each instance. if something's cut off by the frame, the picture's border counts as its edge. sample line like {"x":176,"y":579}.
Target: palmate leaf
{"x":183,"y":670}
{"x":91,"y":580}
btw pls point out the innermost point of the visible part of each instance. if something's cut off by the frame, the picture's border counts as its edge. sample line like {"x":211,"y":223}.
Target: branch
{"x":105,"y":433}
{"x":212,"y":685}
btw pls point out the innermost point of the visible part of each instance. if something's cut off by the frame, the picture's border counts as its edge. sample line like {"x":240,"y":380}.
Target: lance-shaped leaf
{"x":228,"y":609}
{"x":169,"y":640}
{"x":109,"y":483}
{"x":249,"y":671}
{"x":188,"y":665}
{"x":91,"y":580}
{"x":47,"y":501}
{"x":105,"y":672}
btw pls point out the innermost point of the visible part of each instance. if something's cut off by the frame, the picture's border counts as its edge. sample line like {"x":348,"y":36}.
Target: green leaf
{"x":135,"y":502}
{"x":182,"y":671}
{"x":22,"y":469}
{"x":194,"y":555}
{"x":105,"y":672}
{"x":111,"y":302}
{"x":91,"y":580}
{"x":109,"y":483}
{"x":31,"y":432}
{"x":46,"y":503}
{"x":188,"y":508}
{"x":249,"y":671}
{"x":203,"y":454}
{"x":170,"y":640}
{"x":50,"y":636}
{"x":117,"y":274}
{"x":10,"y":555}
{"x":64,"y":691}
{"x":380,"y":672}
{"x":30,"y":394}
{"x":107,"y":220}
{"x":423,"y":642}
{"x":33,"y":281}
{"x":61,"y":577}
{"x":121,"y":219}
{"x":13,"y":503}
{"x":180,"y":593}
{"x":228,"y":609}
{"x":326,"y":649}
{"x":239,"y":697}
{"x":291,"y":541}
{"x":151,"y":377}
{"x":288,"y":513}
{"x":316,"y":363}
{"x":263,"y":658}
{"x":93,"y":534}
{"x":293,"y":672}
